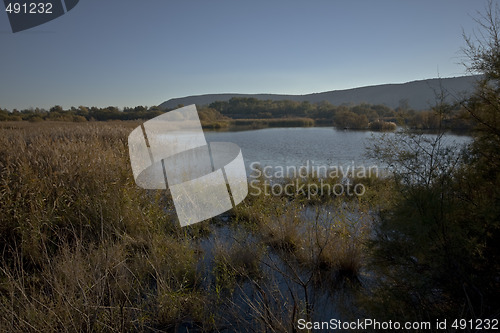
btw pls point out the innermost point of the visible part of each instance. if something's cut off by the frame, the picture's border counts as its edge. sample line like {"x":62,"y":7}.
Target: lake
{"x":318,"y":145}
{"x":281,"y":147}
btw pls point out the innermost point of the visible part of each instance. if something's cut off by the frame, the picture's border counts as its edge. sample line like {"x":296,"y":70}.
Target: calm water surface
{"x":281,"y":147}
{"x":295,"y":146}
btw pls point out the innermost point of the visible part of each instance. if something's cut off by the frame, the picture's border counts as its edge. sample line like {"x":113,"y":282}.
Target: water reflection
{"x":296,"y":146}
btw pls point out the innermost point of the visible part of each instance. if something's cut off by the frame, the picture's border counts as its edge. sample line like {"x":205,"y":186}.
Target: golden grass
{"x":85,"y":249}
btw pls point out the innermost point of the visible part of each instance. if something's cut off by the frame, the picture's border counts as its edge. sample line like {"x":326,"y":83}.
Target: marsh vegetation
{"x":84,"y":249}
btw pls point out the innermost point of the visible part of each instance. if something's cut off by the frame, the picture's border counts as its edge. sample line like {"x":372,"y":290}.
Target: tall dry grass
{"x":83,"y":248}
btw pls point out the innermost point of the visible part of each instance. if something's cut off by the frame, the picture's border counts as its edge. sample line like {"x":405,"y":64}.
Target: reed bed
{"x":84,"y":249}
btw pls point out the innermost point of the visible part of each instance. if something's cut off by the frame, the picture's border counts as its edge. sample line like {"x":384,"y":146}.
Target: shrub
{"x":381,"y":125}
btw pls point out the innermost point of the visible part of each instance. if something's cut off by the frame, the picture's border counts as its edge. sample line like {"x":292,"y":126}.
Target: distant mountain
{"x":419,"y":94}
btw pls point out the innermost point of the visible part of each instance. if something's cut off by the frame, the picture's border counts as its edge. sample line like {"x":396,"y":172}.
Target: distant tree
{"x":56,"y":108}
{"x":4,"y":115}
{"x":82,"y":111}
{"x":351,"y":120}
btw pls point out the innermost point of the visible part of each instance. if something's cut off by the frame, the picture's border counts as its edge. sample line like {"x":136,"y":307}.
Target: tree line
{"x":352,"y":116}
{"x":242,"y":110}
{"x":81,"y":113}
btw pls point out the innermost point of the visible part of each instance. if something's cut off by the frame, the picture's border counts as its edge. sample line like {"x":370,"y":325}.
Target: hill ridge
{"x":419,"y":94}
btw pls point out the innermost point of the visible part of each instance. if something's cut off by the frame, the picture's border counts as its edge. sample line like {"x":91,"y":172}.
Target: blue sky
{"x":143,"y":52}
